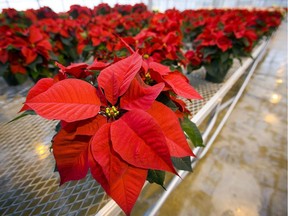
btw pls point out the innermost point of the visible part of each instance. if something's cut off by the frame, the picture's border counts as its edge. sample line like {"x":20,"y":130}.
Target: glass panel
{"x":23,"y":5}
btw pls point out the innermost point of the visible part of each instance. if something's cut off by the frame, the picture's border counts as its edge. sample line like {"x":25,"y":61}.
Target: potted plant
{"x":111,"y":122}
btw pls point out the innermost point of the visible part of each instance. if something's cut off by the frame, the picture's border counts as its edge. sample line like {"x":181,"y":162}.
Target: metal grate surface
{"x":28,"y":185}
{"x":206,"y":89}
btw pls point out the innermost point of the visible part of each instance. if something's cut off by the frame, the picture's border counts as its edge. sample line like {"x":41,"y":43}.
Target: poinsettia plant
{"x":26,"y":53}
{"x":219,"y":36}
{"x":221,"y":39}
{"x":111,"y":122}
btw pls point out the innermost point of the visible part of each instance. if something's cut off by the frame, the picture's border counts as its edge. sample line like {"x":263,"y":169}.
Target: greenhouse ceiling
{"x":160,"y":5}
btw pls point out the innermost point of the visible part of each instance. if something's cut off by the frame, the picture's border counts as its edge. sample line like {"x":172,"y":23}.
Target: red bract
{"x":174,"y":81}
{"x":36,"y":44}
{"x":223,"y":42}
{"x":17,"y":67}
{"x":63,"y":101}
{"x":17,"y":63}
{"x":97,"y":65}
{"x":3,"y":52}
{"x":42,"y":86}
{"x":206,"y":38}
{"x":116,"y":130}
{"x":194,"y":58}
{"x":251,"y":37}
{"x":77,"y":70}
{"x":10,"y":12}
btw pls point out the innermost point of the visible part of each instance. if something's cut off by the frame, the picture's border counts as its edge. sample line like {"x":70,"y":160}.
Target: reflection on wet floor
{"x":245,"y":171}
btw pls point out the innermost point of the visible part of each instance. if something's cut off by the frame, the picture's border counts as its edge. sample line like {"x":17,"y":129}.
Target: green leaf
{"x":122,"y":53}
{"x":27,"y":112}
{"x":156,"y":176}
{"x":36,"y":62}
{"x":192,"y":132}
{"x":191,"y":68}
{"x":246,"y":42}
{"x":166,"y":101}
{"x":74,"y":14}
{"x":73,"y":54}
{"x":21,"y":78}
{"x":55,"y":168}
{"x":53,"y":56}
{"x":207,"y":51}
{"x":224,"y":57}
{"x":58,"y":127}
{"x":101,"y":46}
{"x":182,"y":163}
{"x":34,"y":74}
{"x":66,"y":41}
{"x":88,"y":48}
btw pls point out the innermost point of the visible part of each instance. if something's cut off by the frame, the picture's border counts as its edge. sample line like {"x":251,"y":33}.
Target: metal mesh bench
{"x":28,"y":185}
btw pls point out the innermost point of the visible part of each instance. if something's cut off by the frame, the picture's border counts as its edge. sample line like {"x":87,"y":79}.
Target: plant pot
{"x":11,"y":80}
{"x":216,"y":72}
{"x":214,"y":79}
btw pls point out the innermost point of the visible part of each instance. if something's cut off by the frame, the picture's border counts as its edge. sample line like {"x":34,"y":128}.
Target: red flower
{"x":206,"y":38}
{"x":17,"y":68}
{"x":36,"y":44}
{"x":194,"y":57}
{"x":251,"y":37}
{"x":174,"y":81}
{"x":10,"y":13}
{"x":101,"y":9}
{"x":223,"y":42}
{"x":77,"y":70}
{"x":118,"y":130}
{"x":3,"y":52}
{"x":16,"y":63}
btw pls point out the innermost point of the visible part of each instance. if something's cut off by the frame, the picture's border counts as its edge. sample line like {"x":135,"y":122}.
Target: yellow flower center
{"x":148,"y":75}
{"x":148,"y":80}
{"x":145,"y":56}
{"x":84,"y":35}
{"x":111,"y":111}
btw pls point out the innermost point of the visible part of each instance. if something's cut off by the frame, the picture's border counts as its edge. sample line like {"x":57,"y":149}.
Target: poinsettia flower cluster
{"x":221,"y":35}
{"x":96,"y":35}
{"x":102,"y":9}
{"x":82,"y":34}
{"x":223,"y":31}
{"x":27,"y":17}
{"x":24,"y":51}
{"x":195,"y":21}
{"x":112,"y":124}
{"x":194,"y":58}
{"x":70,"y":40}
{"x":162,"y":39}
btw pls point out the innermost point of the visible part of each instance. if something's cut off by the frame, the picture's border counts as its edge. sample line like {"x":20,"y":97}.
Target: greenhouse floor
{"x":245,"y":171}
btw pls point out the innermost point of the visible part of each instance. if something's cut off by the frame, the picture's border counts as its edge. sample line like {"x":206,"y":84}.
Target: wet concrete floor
{"x":245,"y":171}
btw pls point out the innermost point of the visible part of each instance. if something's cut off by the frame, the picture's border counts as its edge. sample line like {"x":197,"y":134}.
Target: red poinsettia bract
{"x":116,"y":130}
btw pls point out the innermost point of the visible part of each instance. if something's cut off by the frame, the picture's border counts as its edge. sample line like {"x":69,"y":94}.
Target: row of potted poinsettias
{"x":32,"y":40}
